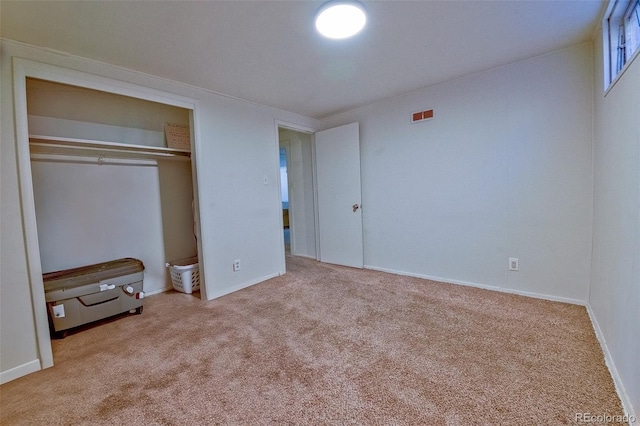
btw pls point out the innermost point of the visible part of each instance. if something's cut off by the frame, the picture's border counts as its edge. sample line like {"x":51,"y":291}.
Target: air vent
{"x":422,"y":116}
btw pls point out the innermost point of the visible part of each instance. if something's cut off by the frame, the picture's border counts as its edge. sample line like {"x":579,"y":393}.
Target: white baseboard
{"x":483,"y":286}
{"x":627,"y":406}
{"x":305,"y":256}
{"x":158,"y":291}
{"x":19,"y":371}
{"x":220,"y":293}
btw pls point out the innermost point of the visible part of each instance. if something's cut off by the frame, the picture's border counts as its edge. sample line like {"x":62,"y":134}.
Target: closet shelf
{"x":54,"y":145}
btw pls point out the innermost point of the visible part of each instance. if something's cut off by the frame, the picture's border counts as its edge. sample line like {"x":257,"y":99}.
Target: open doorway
{"x":297,"y":192}
{"x":324,"y":195}
{"x":284,"y":194}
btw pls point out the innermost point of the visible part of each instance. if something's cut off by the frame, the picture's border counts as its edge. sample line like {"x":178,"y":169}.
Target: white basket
{"x":185,"y":275}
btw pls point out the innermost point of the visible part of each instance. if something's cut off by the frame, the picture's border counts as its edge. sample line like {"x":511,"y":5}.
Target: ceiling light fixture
{"x":340,"y":19}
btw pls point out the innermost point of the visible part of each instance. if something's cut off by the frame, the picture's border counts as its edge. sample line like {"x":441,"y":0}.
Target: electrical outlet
{"x":236,"y":265}
{"x":513,"y":264}
{"x":58,"y":311}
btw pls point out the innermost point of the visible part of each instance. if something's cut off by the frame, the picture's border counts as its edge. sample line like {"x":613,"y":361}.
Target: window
{"x":621,"y":29}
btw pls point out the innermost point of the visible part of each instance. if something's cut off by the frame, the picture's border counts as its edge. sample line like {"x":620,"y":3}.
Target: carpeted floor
{"x":326,"y":345}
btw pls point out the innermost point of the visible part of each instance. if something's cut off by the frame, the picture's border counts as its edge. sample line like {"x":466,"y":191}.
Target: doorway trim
{"x":23,"y":69}
{"x":311,"y":131}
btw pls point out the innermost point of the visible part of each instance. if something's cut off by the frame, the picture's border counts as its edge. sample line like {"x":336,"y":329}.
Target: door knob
{"x":355,"y":207}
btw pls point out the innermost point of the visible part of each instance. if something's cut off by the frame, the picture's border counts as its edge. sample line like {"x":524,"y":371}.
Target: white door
{"x":339,"y":195}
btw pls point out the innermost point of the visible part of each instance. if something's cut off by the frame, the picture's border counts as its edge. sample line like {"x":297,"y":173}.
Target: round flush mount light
{"x":340,"y":19}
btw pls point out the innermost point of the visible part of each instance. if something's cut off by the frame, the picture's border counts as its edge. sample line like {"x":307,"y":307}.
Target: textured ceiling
{"x":268,"y":51}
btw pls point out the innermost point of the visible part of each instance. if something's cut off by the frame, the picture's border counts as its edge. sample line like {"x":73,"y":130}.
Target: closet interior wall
{"x":91,"y":208}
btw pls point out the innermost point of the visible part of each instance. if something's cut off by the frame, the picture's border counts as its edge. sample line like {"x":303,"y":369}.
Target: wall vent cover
{"x":422,"y":115}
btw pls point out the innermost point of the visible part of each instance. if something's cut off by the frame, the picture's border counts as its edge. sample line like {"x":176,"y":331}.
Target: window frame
{"x":615,"y":18}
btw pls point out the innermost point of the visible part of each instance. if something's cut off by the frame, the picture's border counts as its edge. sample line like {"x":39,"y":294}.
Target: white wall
{"x":88,"y":214}
{"x":239,"y":214}
{"x":503,"y":170}
{"x":301,"y":193}
{"x":615,"y":272}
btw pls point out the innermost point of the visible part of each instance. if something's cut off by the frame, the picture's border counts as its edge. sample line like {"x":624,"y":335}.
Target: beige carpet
{"x":326,"y":345}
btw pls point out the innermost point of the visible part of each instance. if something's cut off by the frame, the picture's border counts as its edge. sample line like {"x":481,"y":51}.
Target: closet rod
{"x":99,"y":160}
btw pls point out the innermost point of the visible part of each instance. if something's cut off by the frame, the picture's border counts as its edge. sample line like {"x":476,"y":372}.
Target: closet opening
{"x":107,"y":182}
{"x":99,"y":181}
